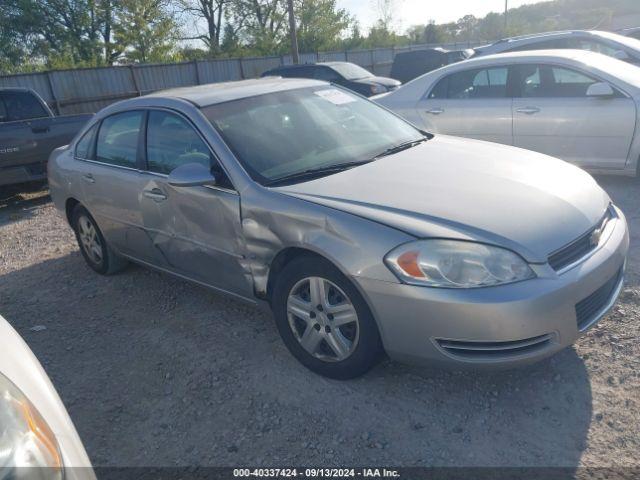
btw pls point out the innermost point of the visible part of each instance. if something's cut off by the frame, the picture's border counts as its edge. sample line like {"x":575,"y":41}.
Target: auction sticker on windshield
{"x":337,"y":97}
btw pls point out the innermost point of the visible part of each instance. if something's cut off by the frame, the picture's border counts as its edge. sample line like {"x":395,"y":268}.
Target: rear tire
{"x":94,"y":248}
{"x":324,"y":321}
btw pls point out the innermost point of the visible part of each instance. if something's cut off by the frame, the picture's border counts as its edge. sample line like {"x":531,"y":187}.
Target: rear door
{"x":473,"y":103}
{"x":195,"y":231}
{"x":112,"y":182}
{"x":553,"y":115}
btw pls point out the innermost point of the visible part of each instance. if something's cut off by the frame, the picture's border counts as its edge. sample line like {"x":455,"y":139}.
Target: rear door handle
{"x":40,"y":129}
{"x":528,"y":110}
{"x":156,"y":195}
{"x":436,"y":111}
{"x":89,"y":178}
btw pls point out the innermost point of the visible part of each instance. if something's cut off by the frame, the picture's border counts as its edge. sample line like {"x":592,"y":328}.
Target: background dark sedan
{"x":348,"y":75}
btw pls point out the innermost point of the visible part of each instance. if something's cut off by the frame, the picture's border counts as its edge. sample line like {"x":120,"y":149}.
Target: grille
{"x":588,"y":310}
{"x":578,"y":248}
{"x":495,"y":350}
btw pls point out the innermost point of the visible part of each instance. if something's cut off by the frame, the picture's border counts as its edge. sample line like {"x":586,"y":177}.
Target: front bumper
{"x":506,"y":325}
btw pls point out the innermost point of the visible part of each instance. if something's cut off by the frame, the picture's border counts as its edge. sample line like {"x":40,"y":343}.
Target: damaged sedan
{"x":363,"y":234}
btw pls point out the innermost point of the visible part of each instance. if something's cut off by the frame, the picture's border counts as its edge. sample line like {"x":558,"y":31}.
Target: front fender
{"x":273,"y":221}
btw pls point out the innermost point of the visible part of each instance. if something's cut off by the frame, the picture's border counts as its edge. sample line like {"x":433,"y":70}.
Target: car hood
{"x":468,"y":189}
{"x":384,"y":81}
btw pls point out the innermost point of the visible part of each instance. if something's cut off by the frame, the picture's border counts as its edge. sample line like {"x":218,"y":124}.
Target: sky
{"x":412,"y":12}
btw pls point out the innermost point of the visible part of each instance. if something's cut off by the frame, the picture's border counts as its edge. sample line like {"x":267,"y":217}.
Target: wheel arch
{"x":283,"y":258}
{"x":69,"y":205}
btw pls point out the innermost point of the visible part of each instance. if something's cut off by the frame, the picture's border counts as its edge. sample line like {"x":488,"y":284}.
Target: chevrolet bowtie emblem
{"x":594,"y":240}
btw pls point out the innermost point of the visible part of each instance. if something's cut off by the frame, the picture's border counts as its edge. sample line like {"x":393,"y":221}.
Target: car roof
{"x":534,"y":37}
{"x":572,"y":54}
{"x":212,"y":93}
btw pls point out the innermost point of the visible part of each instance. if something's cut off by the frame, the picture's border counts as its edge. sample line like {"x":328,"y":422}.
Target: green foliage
{"x":320,"y":24}
{"x":148,"y":29}
{"x":52,"y":34}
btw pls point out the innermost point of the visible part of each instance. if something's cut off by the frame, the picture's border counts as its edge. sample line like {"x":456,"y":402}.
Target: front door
{"x":195,"y":231}
{"x":472,"y":103}
{"x":553,"y":115}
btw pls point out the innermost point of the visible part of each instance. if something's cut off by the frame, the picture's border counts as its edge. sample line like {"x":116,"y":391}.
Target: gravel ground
{"x":158,"y":372}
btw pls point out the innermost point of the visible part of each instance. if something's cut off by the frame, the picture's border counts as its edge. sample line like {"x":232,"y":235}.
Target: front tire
{"x":324,"y":321}
{"x":94,"y":248}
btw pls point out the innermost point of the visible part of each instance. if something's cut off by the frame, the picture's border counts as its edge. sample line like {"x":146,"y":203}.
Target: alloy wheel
{"x":89,"y":239}
{"x":323,"y":319}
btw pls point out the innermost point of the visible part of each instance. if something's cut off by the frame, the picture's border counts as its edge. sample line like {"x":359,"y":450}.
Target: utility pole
{"x":292,"y":32}
{"x":506,"y":13}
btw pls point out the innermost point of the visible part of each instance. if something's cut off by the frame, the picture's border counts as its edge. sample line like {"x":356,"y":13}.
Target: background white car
{"x":576,"y":105}
{"x":622,"y":47}
{"x":37,"y":437}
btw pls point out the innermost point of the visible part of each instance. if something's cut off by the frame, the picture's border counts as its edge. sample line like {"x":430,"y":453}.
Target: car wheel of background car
{"x":92,"y":244}
{"x":324,"y":321}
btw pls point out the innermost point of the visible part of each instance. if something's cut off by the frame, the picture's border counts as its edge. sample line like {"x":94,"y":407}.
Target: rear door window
{"x":473,"y":84}
{"x":118,"y":139}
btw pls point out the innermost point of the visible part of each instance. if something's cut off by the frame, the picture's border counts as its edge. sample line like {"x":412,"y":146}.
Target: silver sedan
{"x":580,"y":106}
{"x":363,"y":234}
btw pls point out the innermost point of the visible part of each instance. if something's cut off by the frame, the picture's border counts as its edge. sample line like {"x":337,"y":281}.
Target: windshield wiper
{"x":315,"y":172}
{"x":402,"y":146}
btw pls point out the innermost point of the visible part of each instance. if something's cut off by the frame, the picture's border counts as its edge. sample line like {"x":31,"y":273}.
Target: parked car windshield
{"x":281,"y":134}
{"x":351,"y":71}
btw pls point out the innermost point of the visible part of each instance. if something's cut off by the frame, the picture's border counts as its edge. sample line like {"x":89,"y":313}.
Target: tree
{"x":261,"y":25}
{"x":320,"y":24}
{"x":432,"y":33}
{"x":147,"y":31}
{"x":212,"y":12}
{"x":466,"y":27}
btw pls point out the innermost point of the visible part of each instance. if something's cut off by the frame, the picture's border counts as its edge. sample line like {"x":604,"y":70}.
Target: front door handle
{"x":528,"y":110}
{"x":436,"y":111}
{"x":89,"y":178}
{"x":156,"y":195}
{"x":40,"y":129}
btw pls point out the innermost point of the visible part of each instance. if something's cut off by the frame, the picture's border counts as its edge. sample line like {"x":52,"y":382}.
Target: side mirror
{"x":191,"y":175}
{"x":621,"y":55}
{"x":601,"y":90}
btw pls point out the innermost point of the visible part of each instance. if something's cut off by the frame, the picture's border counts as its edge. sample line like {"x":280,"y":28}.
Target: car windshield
{"x":632,"y":43}
{"x":350,"y":71}
{"x":283,"y":134}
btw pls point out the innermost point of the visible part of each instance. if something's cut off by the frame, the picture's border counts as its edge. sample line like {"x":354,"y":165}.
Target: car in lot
{"x":345,"y":74}
{"x":633,"y":32}
{"x":37,"y":437}
{"x":29,"y":132}
{"x":409,"y":65}
{"x":607,"y":43}
{"x":362,"y":233}
{"x":579,"y":106}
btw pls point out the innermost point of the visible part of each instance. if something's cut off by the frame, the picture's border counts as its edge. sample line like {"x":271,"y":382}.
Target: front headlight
{"x":26,"y":441}
{"x":376,"y":89}
{"x":456,"y":264}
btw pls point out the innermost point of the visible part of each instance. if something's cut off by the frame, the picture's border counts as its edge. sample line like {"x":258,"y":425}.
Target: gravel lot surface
{"x":158,"y":372}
